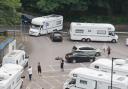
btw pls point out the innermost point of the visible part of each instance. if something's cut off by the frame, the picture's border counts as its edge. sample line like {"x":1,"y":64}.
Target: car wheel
{"x":92,"y":59}
{"x":97,"y":54}
{"x":88,"y":39}
{"x":74,"y":61}
{"x":83,"y":40}
{"x":113,"y":41}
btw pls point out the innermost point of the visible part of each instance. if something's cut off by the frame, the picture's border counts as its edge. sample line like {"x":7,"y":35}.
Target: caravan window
{"x":79,"y":31}
{"x":109,"y":87}
{"x":101,"y":32}
{"x":58,"y":22}
{"x":83,"y":82}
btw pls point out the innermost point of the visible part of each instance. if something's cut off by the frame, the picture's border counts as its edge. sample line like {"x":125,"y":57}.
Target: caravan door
{"x":44,"y":28}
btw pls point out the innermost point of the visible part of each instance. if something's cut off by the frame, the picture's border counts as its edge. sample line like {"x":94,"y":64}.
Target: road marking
{"x":51,"y":67}
{"x":52,"y":87}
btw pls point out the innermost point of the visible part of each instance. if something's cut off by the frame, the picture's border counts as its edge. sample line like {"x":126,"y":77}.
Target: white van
{"x":92,"y":32}
{"x":85,"y":78}
{"x":16,"y":57}
{"x":120,"y":66}
{"x":10,"y":76}
{"x":46,"y":24}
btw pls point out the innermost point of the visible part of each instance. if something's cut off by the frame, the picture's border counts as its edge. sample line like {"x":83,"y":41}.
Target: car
{"x":87,"y":48}
{"x":56,"y":36}
{"x":79,"y":56}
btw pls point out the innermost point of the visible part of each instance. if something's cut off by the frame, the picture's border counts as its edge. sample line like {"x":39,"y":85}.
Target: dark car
{"x":79,"y":56}
{"x":56,"y":36}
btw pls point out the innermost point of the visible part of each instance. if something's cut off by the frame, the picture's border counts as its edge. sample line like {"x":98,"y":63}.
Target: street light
{"x":112,"y":72}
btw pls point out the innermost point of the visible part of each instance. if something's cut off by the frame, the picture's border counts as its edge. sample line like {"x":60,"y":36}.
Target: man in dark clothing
{"x":62,"y":65}
{"x":109,"y":50}
{"x":39,"y":68}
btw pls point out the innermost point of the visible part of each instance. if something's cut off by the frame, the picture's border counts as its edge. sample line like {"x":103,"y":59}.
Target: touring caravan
{"x":92,"y":32}
{"x":46,"y":24}
{"x":16,"y":57}
{"x":120,"y":66}
{"x":85,"y":78}
{"x":10,"y":76}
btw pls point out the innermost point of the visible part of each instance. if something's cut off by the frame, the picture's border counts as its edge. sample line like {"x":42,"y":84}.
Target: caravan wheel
{"x":88,"y":39}
{"x":83,"y":39}
{"x":113,"y":41}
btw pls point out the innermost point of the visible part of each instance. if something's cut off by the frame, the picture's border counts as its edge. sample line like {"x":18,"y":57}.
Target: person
{"x":39,"y":68}
{"x":30,"y":73}
{"x":109,"y":50}
{"x":62,"y":65}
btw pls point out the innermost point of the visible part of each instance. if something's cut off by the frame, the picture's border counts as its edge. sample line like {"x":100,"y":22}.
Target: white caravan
{"x":46,"y":24}
{"x":120,"y":66}
{"x":10,"y":76}
{"x":92,"y":32}
{"x":16,"y":57}
{"x":85,"y":78}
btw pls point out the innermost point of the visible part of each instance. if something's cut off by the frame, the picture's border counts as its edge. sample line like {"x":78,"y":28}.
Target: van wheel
{"x":83,"y":40}
{"x":88,"y":39}
{"x":74,"y":61}
{"x":113,"y":41}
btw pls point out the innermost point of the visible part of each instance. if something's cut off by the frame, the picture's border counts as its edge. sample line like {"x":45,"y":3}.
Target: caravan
{"x":85,"y":78}
{"x":93,"y":32}
{"x":46,"y":24}
{"x":10,"y":76}
{"x":16,"y":57}
{"x":120,"y":66}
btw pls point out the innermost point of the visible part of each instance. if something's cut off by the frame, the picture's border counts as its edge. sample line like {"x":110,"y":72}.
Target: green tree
{"x":8,"y":12}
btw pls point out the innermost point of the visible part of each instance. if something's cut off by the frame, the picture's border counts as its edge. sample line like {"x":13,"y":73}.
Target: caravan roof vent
{"x":3,"y":77}
{"x":100,"y":74}
{"x":120,"y":61}
{"x":121,"y":78}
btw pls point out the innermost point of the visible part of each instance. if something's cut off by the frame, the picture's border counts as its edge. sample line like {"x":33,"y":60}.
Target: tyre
{"x":88,"y":39}
{"x":83,"y":40}
{"x":97,"y":54}
{"x":73,"y":61}
{"x":113,"y":41}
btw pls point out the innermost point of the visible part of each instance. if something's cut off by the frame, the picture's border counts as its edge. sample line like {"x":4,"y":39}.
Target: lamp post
{"x":112,"y":72}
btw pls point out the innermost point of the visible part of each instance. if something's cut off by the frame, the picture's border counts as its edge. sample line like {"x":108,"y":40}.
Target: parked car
{"x":79,"y":56}
{"x":56,"y":36}
{"x":87,"y":48}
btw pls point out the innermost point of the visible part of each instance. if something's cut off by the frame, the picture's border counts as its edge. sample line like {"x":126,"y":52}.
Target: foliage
{"x":8,"y":12}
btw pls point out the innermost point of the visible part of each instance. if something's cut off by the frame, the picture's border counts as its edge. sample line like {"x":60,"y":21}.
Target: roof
{"x":99,"y":75}
{"x":14,"y":54}
{"x":5,"y":43}
{"x":8,"y":72}
{"x":41,"y":20}
{"x":96,"y":25}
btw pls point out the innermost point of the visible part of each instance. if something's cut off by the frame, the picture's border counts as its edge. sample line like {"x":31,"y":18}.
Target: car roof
{"x":83,"y":45}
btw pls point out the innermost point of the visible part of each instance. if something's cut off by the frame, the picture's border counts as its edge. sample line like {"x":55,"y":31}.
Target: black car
{"x":56,"y":36}
{"x":79,"y":56}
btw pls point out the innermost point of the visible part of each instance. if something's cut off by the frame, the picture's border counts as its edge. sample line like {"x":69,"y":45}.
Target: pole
{"x":112,"y":73}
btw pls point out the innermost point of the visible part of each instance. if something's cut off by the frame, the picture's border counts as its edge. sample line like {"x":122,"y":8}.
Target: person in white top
{"x":30,"y":73}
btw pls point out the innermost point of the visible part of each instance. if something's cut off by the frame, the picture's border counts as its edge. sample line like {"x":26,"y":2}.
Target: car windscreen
{"x":57,"y":34}
{"x":86,"y":48}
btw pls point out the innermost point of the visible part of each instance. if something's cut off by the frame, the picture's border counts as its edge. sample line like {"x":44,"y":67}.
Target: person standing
{"x":30,"y":73}
{"x":109,"y":51}
{"x":62,"y":64}
{"x":39,"y":68}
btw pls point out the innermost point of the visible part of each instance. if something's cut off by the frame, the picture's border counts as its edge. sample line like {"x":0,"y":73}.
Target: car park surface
{"x":43,"y":50}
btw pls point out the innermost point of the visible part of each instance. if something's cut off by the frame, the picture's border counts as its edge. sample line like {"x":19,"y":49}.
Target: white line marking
{"x":52,"y":87}
{"x":51,"y":67}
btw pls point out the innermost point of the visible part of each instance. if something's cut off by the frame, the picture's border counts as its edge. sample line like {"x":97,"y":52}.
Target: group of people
{"x":39,"y":68}
{"x":30,"y":71}
{"x":108,"y":49}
